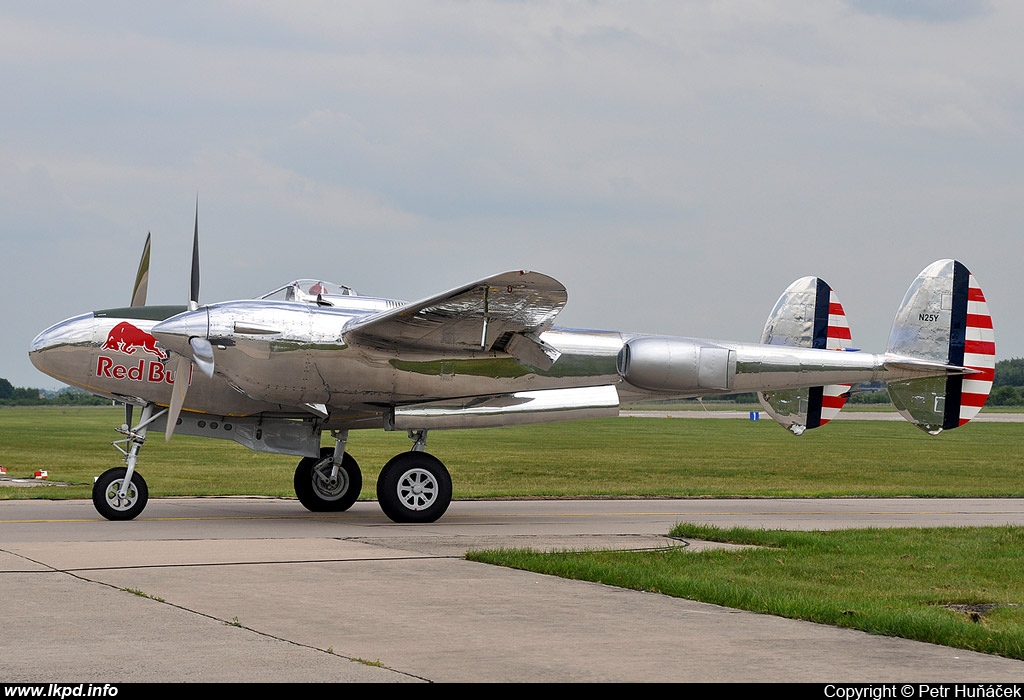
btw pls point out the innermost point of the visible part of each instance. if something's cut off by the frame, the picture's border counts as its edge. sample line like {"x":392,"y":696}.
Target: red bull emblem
{"x":126,"y":338}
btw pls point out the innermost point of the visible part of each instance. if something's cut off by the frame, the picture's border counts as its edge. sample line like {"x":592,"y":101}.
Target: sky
{"x":675,"y":164}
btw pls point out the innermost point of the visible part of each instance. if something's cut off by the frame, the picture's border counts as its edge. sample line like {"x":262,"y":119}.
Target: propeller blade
{"x":202,"y":350}
{"x":202,"y":355}
{"x":142,"y":277}
{"x":178,"y":391}
{"x":193,"y":298}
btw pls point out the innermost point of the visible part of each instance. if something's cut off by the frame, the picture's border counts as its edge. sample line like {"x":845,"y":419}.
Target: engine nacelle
{"x":660,"y":363}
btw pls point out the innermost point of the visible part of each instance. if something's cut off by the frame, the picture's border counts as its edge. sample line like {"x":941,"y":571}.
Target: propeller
{"x":193,"y":295}
{"x":202,"y":349}
{"x":142,"y":276}
{"x":139,"y":292}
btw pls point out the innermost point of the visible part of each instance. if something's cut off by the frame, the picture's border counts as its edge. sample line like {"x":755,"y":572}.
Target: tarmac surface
{"x":258,"y":590}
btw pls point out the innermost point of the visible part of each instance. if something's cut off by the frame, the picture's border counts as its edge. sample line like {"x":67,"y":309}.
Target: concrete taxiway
{"x":253,"y":589}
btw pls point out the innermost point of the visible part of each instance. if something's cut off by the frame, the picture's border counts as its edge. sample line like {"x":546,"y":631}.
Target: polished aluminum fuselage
{"x":281,"y":358}
{"x":284,"y":357}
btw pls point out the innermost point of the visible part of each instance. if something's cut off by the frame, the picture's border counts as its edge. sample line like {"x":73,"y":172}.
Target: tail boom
{"x":768,"y":369}
{"x":939,"y":364}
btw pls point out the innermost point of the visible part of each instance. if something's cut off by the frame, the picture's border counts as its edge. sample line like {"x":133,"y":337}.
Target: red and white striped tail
{"x":979,"y":353}
{"x":834,"y":396}
{"x":944,"y":318}
{"x":807,"y":315}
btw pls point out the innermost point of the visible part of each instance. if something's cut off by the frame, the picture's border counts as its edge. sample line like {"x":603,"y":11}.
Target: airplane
{"x":276,"y":372}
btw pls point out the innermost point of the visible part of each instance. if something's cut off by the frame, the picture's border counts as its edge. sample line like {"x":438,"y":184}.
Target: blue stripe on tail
{"x":957,"y":343}
{"x":819,"y":340}
{"x":822,"y":296}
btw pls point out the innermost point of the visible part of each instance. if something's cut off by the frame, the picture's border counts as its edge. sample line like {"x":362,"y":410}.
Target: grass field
{"x":960,"y":587}
{"x":609,"y":457}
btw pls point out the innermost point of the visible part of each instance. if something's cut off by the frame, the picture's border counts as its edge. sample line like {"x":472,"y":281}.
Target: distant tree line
{"x":1008,"y":386}
{"x":69,"y":396}
{"x":1007,"y":390}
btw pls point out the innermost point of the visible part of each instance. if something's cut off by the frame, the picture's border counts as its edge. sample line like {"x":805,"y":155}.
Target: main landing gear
{"x":330,"y":482}
{"x":413,"y":487}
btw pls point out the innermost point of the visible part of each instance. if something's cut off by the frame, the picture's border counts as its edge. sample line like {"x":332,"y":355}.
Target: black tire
{"x":317,"y":493}
{"x":106,"y":500}
{"x":414,"y":487}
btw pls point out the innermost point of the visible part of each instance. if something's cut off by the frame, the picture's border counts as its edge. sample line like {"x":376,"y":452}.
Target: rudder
{"x":808,"y":314}
{"x":944,"y":318}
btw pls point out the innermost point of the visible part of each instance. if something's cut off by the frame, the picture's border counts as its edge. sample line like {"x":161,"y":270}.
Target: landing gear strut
{"x":120,"y":493}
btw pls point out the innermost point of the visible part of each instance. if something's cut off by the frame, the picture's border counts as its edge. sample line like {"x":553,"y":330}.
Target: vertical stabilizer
{"x":808,"y":315}
{"x":944,"y":318}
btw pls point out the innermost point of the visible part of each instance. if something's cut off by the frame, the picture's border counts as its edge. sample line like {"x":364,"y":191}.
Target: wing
{"x":505,"y":312}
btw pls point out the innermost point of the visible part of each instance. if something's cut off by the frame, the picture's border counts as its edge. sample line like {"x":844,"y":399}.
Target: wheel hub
{"x":417,"y":489}
{"x":115,"y":500}
{"x":325,"y":486}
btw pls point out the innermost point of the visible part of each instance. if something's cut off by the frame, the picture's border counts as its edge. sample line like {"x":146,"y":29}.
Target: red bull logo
{"x":126,"y":338}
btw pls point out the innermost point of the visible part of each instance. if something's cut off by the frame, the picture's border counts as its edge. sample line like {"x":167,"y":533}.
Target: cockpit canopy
{"x":310,"y":291}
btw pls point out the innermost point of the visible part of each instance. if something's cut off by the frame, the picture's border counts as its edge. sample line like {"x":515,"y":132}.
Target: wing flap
{"x":481,"y":315}
{"x":519,"y":408}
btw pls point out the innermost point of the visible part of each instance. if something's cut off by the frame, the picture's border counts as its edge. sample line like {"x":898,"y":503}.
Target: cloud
{"x":676,"y":165}
{"x":937,"y":11}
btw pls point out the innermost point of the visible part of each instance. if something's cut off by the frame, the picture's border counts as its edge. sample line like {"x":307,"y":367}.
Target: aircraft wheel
{"x":315,"y":489}
{"x":414,"y":487}
{"x":109,"y":504}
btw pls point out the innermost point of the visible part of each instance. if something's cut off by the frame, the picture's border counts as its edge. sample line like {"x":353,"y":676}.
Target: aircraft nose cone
{"x":73,"y":331}
{"x":175,"y":332}
{"x":53,"y":350}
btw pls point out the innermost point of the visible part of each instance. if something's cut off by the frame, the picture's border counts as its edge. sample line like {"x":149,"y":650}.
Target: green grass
{"x":960,"y":587}
{"x":601,"y":458}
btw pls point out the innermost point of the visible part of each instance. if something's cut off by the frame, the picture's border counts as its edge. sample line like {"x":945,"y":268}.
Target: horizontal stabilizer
{"x":808,"y":315}
{"x":944,"y":319}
